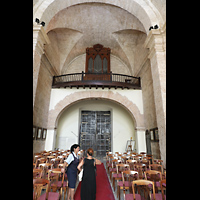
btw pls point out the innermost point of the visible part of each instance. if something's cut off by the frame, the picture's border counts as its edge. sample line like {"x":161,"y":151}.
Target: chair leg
{"x":61,"y":193}
{"x":114,"y":183}
{"x":118,"y":188}
{"x":65,"y":190}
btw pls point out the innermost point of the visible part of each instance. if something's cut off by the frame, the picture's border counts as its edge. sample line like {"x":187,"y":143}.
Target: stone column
{"x":156,"y":43}
{"x":140,"y":139}
{"x":40,"y":38}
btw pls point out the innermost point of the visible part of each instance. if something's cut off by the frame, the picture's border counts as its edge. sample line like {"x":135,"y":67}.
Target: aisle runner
{"x":103,"y":188}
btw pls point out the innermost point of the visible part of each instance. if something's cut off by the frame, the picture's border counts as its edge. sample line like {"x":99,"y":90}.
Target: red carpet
{"x":103,"y":188}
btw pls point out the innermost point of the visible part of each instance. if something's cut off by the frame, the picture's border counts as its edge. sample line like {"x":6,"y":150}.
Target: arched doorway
{"x":108,"y":127}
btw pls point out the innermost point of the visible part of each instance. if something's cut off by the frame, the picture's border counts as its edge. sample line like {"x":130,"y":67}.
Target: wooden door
{"x":95,"y":131}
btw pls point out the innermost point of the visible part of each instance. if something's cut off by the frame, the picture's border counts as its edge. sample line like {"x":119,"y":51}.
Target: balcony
{"x":98,"y":80}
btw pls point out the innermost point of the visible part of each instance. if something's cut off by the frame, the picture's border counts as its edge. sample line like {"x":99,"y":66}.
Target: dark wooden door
{"x":95,"y":131}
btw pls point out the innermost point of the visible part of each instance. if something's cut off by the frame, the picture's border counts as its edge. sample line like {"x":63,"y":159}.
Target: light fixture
{"x":151,"y":27}
{"x":156,"y":26}
{"x":42,"y":23}
{"x":38,"y":21}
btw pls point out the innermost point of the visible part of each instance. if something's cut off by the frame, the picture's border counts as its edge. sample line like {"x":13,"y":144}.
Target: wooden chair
{"x":158,"y":161}
{"x":113,"y":168}
{"x":34,"y":165}
{"x":45,"y":167}
{"x":40,"y":160}
{"x":138,"y":158}
{"x":118,"y":176}
{"x":56,"y":184}
{"x":156,"y":167}
{"x":163,"y":187}
{"x":131,"y":163}
{"x":37,"y":173}
{"x":146,"y":162}
{"x":109,"y":157}
{"x":55,"y":162}
{"x":126,"y":183}
{"x":49,"y":158}
{"x":140,"y":168}
{"x":143,"y":154}
{"x":151,"y":158}
{"x":36,"y":157}
{"x":155,"y":176}
{"x":61,"y":165}
{"x":148,"y":158}
{"x":147,"y":186}
{"x":38,"y":185}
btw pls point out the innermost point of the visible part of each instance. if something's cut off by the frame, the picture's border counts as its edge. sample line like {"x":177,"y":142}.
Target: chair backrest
{"x":131,"y":163}
{"x":146,"y":162}
{"x":114,"y":162}
{"x":143,"y":183}
{"x":158,"y":161}
{"x":55,"y":171}
{"x":138,"y":157}
{"x":153,"y":175}
{"x":37,"y":173}
{"x":38,"y":185}
{"x":156,"y":167}
{"x":122,"y":167}
{"x":163,"y":185}
{"x":130,"y":174}
{"x":46,"y":165}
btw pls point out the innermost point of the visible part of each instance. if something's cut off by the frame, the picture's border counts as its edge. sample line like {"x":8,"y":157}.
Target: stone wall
{"x":42,"y":100}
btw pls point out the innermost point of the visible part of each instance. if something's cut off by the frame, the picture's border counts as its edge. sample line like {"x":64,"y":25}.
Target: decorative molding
{"x":140,"y":128}
{"x":40,"y":38}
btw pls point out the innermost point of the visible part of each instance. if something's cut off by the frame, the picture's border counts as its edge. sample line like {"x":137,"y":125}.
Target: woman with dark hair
{"x":71,"y":163}
{"x":88,"y":185}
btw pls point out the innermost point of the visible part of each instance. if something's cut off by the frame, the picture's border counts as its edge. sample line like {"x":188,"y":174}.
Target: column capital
{"x":156,"y":41}
{"x":40,"y":38}
{"x":140,"y":128}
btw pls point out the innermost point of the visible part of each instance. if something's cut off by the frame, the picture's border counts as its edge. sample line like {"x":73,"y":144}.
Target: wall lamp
{"x":153,"y":27}
{"x":38,"y":21}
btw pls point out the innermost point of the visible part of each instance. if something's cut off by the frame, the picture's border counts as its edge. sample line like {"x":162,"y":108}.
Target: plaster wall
{"x":66,"y":124}
{"x":69,"y":123}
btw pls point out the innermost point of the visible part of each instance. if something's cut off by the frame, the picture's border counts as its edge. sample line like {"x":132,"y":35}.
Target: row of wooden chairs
{"x":54,"y":157}
{"x":146,"y":186}
{"x":58,"y":180}
{"x":47,"y":174}
{"x":139,"y":169}
{"x":54,"y":182}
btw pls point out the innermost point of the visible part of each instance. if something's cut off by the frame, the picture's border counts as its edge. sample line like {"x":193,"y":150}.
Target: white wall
{"x":68,"y":125}
{"x":123,"y":127}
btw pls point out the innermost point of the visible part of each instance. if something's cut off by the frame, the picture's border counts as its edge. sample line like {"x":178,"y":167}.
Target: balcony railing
{"x":96,"y":80}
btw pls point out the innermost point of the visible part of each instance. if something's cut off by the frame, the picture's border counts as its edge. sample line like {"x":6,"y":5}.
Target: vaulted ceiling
{"x":72,"y":27}
{"x":75,"y":28}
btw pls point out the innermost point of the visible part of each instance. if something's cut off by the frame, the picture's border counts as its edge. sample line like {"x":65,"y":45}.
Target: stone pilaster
{"x":140,"y":139}
{"x":155,"y":42}
{"x":40,"y":38}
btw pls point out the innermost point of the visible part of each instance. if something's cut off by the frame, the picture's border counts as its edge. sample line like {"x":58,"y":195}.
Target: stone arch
{"x":145,"y":11}
{"x":123,"y":101}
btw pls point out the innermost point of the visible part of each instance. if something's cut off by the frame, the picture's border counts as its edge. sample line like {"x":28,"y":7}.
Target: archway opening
{"x":121,"y":125}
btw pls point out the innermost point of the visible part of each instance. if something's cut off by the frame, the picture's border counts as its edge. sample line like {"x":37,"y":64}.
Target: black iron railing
{"x":96,"y":79}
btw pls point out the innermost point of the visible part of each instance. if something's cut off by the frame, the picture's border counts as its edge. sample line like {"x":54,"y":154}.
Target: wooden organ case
{"x":97,"y":63}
